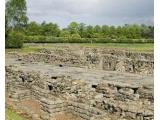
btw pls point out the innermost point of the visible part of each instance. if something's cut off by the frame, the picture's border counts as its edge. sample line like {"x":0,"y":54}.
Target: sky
{"x":91,"y":12}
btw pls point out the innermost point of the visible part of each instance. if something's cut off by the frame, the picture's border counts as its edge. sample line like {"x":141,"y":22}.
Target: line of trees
{"x":18,"y":29}
{"x":80,"y":30}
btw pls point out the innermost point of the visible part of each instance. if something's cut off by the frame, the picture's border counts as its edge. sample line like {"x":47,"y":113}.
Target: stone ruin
{"x":121,"y":98}
{"x":104,"y":59}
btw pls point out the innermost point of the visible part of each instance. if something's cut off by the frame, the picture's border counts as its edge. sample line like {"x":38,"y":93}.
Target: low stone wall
{"x":50,"y":107}
{"x":85,"y":111}
{"x":104,"y":59}
{"x":126,"y":100}
{"x":114,"y":63}
{"x":89,"y":101}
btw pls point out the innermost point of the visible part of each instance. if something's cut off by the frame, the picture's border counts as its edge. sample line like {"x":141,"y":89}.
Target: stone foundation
{"x":87,"y":100}
{"x":50,"y":107}
{"x":104,"y":59}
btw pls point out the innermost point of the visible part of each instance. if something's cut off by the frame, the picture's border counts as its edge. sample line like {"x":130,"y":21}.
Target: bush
{"x":14,"y":40}
{"x":75,"y":36}
{"x":51,"y":39}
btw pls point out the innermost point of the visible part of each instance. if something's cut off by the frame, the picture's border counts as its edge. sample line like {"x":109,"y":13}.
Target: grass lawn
{"x":33,"y":47}
{"x":11,"y":115}
{"x":148,"y":47}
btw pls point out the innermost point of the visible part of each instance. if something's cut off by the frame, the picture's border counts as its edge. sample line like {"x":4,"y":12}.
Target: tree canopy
{"x":15,"y":21}
{"x":18,"y":28}
{"x":16,"y":13}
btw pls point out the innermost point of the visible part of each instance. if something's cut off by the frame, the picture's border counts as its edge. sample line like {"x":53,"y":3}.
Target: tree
{"x":147,"y":31}
{"x":73,"y":27}
{"x":151,"y":33}
{"x":119,"y":31}
{"x":97,"y":29}
{"x":81,"y":29}
{"x":112,"y":32}
{"x":132,"y":31}
{"x":89,"y":31}
{"x":98,"y":32}
{"x":16,"y":13}
{"x":64,"y":33}
{"x":15,"y":19}
{"x":6,"y":27}
{"x":33,"y":28}
{"x":137,"y":31}
{"x":50,"y":29}
{"x":105,"y":30}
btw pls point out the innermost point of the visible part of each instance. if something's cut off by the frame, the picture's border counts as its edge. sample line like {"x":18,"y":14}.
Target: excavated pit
{"x":81,"y":84}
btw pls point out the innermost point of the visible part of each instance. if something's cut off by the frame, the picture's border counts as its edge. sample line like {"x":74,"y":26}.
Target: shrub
{"x":64,"y":33}
{"x":51,"y":39}
{"x":14,"y":40}
{"x":75,"y":36}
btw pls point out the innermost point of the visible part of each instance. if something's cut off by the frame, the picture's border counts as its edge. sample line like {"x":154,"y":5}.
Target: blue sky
{"x":111,"y":12}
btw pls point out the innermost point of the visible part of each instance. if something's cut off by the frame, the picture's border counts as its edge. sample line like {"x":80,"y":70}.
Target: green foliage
{"x":14,"y":40}
{"x":15,"y":22}
{"x":50,"y":29}
{"x":75,"y":35}
{"x":64,"y":33}
{"x":147,"y":31}
{"x":97,"y":29}
{"x":81,"y":29}
{"x":89,"y":31}
{"x":33,"y":28}
{"x":16,"y":13}
{"x":44,"y":29}
{"x":97,"y":35}
{"x":74,"y":29}
{"x":77,"y":39}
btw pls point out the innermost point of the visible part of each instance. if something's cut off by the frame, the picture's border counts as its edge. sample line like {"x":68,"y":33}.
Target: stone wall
{"x":89,"y":101}
{"x":104,"y":59}
{"x":126,"y":100}
{"x":50,"y":107}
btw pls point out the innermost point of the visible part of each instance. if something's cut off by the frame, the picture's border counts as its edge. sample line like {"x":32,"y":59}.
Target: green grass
{"x":148,"y":47}
{"x":34,"y":47}
{"x":11,"y":115}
